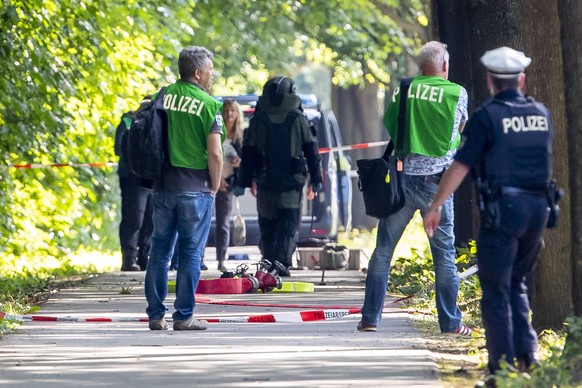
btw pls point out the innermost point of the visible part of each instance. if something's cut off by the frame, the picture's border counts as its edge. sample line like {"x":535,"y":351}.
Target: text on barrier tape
{"x":278,"y":317}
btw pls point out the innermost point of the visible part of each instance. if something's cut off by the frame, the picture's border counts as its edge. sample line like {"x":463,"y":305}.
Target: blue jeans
{"x":419,"y":192}
{"x":188,"y":214}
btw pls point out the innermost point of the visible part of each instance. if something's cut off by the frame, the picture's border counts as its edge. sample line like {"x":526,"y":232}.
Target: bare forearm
{"x":449,"y":183}
{"x":214,"y":161}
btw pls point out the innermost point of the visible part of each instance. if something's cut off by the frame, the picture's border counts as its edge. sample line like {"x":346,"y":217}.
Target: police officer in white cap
{"x":507,"y":143}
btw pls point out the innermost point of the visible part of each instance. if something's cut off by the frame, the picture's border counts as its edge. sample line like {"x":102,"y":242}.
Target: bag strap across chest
{"x":404,"y":86}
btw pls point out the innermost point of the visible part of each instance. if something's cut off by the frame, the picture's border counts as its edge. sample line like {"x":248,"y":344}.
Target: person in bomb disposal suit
{"x":279,"y":150}
{"x":184,"y":195}
{"x":509,"y":140}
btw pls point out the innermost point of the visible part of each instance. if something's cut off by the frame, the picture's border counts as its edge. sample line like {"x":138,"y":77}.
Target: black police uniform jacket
{"x":509,"y":138}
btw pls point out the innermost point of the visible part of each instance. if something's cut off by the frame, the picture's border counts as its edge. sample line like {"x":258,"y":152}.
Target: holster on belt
{"x":554,"y":194}
{"x":488,"y":201}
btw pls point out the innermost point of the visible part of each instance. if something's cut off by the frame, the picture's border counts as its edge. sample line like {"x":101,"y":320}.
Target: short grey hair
{"x":193,"y":58}
{"x":433,"y":53}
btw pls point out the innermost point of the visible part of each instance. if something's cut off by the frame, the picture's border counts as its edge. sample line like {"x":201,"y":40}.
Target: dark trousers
{"x":136,"y":227}
{"x":506,"y":256}
{"x":279,"y":217}
{"x":223,"y":207}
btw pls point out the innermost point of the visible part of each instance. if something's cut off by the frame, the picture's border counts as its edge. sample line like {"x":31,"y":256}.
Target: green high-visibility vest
{"x":430,"y":116}
{"x":191,"y":112}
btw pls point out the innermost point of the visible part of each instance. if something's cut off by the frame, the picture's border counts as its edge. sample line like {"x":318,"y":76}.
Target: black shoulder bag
{"x":381,"y":180}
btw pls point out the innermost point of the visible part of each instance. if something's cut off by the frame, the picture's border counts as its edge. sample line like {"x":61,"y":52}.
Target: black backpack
{"x":147,"y":139}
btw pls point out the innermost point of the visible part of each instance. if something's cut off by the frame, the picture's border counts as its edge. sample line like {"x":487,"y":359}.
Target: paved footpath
{"x":328,"y":353}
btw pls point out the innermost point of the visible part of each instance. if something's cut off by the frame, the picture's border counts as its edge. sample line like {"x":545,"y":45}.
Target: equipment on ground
{"x":269,"y":280}
{"x":241,"y":282}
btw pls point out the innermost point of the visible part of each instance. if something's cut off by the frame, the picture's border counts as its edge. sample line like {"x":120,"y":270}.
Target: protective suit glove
{"x":238,"y":191}
{"x":317,"y":187}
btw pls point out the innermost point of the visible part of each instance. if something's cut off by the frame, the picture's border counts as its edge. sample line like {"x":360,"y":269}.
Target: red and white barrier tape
{"x":360,"y":146}
{"x":46,"y":318}
{"x":277,"y":317}
{"x":323,"y":150}
{"x":59,"y":165}
{"x":288,"y":317}
{"x":206,"y":300}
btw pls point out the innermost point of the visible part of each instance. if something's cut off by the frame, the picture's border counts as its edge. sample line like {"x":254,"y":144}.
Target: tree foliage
{"x":71,"y":67}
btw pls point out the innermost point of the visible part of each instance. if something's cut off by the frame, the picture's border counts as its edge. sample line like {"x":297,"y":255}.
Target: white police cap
{"x":505,"y":62}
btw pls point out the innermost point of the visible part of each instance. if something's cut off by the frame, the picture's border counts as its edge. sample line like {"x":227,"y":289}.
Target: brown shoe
{"x":364,"y":327}
{"x":158,"y":324}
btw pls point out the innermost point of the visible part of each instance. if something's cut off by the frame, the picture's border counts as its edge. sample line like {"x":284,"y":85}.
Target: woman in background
{"x":234,"y":123}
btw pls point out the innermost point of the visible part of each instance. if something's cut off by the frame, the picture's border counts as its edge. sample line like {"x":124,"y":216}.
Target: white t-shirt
{"x":230,"y":155}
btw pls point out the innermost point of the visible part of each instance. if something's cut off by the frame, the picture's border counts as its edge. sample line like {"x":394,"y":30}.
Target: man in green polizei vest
{"x":436,"y":111}
{"x":183,"y":197}
{"x":427,"y":93}
{"x":187,"y":148}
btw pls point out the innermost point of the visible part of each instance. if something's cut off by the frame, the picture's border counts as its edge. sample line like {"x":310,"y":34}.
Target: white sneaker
{"x":191,"y":324}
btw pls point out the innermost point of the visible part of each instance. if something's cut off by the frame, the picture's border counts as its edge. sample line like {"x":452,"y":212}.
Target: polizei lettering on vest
{"x":183,"y":104}
{"x":423,"y":92}
{"x":426,"y":93}
{"x":525,"y":123}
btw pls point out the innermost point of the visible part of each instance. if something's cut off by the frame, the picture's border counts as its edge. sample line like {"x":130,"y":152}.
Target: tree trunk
{"x":455,"y":35}
{"x":465,"y":27}
{"x":495,"y":23}
{"x":571,"y":27}
{"x":552,"y":296}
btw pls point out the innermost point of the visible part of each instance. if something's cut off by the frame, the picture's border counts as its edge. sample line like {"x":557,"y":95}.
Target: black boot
{"x":142,"y":262}
{"x":129,"y":264}
{"x":282,"y":269}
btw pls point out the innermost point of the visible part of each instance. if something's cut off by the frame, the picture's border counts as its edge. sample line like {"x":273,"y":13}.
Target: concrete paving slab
{"x":328,"y":353}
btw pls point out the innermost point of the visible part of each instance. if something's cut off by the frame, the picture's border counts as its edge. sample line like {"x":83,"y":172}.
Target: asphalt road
{"x":327,"y":353}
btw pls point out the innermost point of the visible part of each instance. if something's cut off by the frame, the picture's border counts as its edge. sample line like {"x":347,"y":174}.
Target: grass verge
{"x":26,"y":281}
{"x":462,"y":361}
